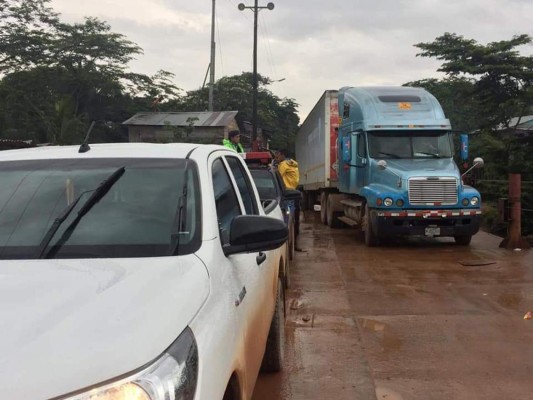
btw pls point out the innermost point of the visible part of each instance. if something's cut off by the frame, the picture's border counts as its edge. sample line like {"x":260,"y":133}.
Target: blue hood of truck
{"x":408,"y":168}
{"x":387,"y":180}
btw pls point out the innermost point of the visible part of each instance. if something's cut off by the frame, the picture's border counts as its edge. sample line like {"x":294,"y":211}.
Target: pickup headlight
{"x":172,"y":376}
{"x":474,"y":201}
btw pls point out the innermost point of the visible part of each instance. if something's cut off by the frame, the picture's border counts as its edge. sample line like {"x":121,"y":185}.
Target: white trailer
{"x":316,"y":150}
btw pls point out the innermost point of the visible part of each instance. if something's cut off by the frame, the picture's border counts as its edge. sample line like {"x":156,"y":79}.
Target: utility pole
{"x":212,"y":62}
{"x":256,"y":8}
{"x":514,"y":239}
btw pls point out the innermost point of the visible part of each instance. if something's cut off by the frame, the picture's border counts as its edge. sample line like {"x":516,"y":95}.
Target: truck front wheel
{"x":463,"y":240}
{"x":371,"y":238}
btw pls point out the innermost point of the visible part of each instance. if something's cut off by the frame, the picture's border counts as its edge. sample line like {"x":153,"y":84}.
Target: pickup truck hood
{"x":69,"y":324}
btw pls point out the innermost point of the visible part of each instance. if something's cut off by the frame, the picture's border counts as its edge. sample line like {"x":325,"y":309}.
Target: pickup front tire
{"x":275,"y":347}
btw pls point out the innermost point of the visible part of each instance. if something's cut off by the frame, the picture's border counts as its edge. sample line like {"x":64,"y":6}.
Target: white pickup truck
{"x":136,"y":271}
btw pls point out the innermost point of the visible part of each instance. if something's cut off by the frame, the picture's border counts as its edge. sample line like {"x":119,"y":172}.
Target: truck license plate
{"x":432,"y":231}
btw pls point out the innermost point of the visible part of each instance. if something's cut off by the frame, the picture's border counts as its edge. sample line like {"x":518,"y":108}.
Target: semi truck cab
{"x":396,"y":173}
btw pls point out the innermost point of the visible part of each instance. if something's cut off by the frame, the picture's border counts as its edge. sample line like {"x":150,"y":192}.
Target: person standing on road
{"x":234,"y":141}
{"x":288,"y":169}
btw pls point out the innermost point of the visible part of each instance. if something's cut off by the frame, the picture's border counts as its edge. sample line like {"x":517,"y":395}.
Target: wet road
{"x":412,"y":320}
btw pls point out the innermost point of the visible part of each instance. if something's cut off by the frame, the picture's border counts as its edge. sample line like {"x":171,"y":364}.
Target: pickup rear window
{"x":136,"y":217}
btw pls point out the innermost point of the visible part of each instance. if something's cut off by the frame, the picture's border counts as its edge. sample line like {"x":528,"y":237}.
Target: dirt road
{"x":412,"y":320}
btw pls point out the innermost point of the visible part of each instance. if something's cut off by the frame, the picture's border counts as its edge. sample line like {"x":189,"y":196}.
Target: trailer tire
{"x":323,"y":207}
{"x":371,"y":239}
{"x":463,"y":240}
{"x":332,"y":216}
{"x":305,"y":201}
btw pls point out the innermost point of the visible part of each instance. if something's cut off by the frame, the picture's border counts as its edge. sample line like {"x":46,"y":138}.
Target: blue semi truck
{"x":382,"y":158}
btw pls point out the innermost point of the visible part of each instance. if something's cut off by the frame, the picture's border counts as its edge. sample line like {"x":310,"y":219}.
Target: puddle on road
{"x":511,"y":301}
{"x":383,"y":393}
{"x":388,"y":338}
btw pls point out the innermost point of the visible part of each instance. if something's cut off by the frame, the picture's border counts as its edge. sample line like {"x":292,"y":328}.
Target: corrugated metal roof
{"x":207,"y":118}
{"x":526,"y":122}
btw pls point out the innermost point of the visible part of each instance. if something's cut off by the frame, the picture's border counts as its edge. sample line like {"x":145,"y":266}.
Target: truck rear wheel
{"x":332,"y":216}
{"x":323,"y":207}
{"x":371,"y":238}
{"x":463,"y":240}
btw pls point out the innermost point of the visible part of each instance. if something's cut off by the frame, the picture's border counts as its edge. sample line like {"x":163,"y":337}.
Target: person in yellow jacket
{"x":234,"y":141}
{"x":288,"y":169}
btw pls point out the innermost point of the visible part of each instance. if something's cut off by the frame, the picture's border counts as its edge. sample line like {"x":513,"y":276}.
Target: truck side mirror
{"x":478,"y":162}
{"x":382,"y":165}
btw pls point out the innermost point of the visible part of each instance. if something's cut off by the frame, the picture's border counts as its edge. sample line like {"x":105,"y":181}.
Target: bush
{"x":490,"y":221}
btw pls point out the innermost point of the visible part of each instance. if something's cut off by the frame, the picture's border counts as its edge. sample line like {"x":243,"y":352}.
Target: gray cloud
{"x":314,"y":44}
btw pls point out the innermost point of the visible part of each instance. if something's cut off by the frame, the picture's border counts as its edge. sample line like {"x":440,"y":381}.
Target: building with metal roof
{"x":520,"y":126}
{"x":201,"y":127}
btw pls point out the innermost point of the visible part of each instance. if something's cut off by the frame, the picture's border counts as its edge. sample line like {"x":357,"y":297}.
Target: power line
{"x":267,"y":45}
{"x":220,"y":46}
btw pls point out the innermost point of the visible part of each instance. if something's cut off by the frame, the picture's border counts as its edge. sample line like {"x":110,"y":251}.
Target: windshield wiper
{"x":429,"y":154}
{"x":97,"y":195}
{"x":389,"y":154}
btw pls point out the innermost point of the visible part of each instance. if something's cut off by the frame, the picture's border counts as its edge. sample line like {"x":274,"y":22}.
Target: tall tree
{"x":25,"y":28}
{"x":276,"y":116}
{"x":61,"y":76}
{"x":503,"y":78}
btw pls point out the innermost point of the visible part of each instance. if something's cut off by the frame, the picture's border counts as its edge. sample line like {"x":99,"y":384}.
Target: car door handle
{"x":260,"y":259}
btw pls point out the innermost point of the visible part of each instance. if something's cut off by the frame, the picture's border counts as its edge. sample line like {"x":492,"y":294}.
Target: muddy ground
{"x":416,"y":319}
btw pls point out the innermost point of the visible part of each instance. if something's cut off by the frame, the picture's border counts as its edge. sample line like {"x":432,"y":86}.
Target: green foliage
{"x":503,"y":79}
{"x":455,"y":95}
{"x":25,"y":28}
{"x":59,"y":77}
{"x":276,"y":116}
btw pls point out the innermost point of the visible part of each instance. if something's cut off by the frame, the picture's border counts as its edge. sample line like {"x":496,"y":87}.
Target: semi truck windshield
{"x":409,"y":144}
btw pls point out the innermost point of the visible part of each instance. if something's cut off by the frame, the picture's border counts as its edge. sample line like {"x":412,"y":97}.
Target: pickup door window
{"x":244,"y":185}
{"x":226,"y":200}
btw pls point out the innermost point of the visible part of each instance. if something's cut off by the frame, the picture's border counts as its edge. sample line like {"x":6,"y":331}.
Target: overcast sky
{"x":313,"y":44}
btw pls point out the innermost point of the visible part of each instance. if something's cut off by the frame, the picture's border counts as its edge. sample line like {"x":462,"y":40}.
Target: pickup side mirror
{"x":250,"y":233}
{"x":269,"y":205}
{"x":292,"y":194}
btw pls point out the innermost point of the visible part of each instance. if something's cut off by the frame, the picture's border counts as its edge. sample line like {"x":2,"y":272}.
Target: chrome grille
{"x":433,"y":191}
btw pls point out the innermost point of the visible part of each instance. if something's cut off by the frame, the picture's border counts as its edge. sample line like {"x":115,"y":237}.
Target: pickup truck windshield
{"x":135,"y":218}
{"x":409,"y":144}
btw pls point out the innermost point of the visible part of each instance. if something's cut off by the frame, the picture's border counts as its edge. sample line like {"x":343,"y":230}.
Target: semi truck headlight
{"x":172,"y":376}
{"x":474,"y":201}
{"x":388,"y":202}
{"x":465,"y":202}
{"x":399,"y":203}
